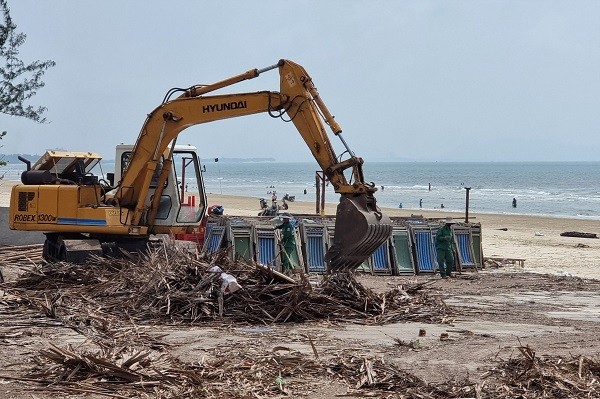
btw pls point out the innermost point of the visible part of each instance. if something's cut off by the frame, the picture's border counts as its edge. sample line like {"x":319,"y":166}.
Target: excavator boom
{"x":360,"y":227}
{"x":135,"y":206}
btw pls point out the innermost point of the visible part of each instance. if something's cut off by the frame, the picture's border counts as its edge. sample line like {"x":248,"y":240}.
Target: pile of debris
{"x":258,"y":372}
{"x":15,"y":256}
{"x":104,"y":300}
{"x":174,"y":285}
{"x":531,"y":376}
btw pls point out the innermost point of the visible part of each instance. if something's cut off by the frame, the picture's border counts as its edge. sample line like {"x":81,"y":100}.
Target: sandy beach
{"x":488,"y":316}
{"x":534,"y":238}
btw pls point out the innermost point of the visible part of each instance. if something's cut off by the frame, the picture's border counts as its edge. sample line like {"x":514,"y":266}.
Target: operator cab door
{"x":182,"y":202}
{"x":190,"y":187}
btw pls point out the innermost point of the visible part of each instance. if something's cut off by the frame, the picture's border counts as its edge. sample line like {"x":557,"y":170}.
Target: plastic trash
{"x":229,"y":283}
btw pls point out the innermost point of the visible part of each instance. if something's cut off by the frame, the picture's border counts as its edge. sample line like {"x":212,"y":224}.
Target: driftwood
{"x":106,"y":298}
{"x":578,"y":234}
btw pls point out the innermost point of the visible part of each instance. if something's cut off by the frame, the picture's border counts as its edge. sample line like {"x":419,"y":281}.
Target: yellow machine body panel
{"x":24,"y":207}
{"x":46,"y":203}
{"x":68,"y":199}
{"x":67,"y":208}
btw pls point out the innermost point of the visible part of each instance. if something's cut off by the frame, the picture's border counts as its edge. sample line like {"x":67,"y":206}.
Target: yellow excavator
{"x":81,"y":213}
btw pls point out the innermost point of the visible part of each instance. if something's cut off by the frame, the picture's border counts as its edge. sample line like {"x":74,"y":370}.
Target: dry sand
{"x":534,"y":238}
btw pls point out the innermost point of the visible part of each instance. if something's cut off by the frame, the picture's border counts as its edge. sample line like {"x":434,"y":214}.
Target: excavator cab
{"x":181,"y":201}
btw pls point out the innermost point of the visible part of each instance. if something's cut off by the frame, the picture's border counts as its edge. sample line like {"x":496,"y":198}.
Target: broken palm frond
{"x":11,"y":253}
{"x":227,"y":372}
{"x":531,"y":376}
{"x":13,"y":257}
{"x":178,"y":286}
{"x":258,"y":371}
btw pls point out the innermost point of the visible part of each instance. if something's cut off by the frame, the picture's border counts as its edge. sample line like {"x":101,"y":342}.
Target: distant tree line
{"x":12,"y":158}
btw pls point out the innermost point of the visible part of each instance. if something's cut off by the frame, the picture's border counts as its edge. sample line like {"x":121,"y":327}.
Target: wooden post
{"x":323,"y":180}
{"x":467,"y":205}
{"x":182,"y":180}
{"x":318,"y":198}
{"x":320,"y":181}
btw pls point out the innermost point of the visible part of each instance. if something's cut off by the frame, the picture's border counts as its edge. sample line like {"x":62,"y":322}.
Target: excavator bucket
{"x":360,"y":228}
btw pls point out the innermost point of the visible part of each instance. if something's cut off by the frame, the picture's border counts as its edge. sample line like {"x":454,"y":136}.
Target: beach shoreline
{"x":536,"y":239}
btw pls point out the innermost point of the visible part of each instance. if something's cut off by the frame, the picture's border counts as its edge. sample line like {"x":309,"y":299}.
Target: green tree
{"x":19,"y":82}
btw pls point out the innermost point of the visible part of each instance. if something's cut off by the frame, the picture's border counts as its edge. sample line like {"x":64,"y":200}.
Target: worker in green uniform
{"x":288,"y":242}
{"x":444,"y":245}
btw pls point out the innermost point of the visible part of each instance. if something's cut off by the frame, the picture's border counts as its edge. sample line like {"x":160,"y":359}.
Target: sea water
{"x":561,"y":189}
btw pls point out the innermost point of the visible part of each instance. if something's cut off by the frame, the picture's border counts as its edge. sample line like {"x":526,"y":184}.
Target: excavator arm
{"x":360,"y":226}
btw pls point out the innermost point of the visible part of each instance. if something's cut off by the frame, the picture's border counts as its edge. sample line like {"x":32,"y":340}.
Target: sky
{"x":406,"y":80}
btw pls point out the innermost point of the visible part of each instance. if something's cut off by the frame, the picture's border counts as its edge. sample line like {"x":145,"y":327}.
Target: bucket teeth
{"x":359,"y":230}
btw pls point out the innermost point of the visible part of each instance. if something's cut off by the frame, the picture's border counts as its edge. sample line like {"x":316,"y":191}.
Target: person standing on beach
{"x":288,"y":242}
{"x":514,"y":203}
{"x":444,"y":246}
{"x":421,"y":203}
